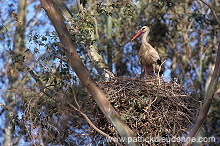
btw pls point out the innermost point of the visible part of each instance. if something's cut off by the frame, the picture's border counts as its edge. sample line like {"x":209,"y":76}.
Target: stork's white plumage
{"x":148,"y":56}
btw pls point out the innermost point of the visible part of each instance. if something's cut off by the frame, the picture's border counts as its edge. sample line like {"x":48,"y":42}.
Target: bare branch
{"x":91,"y":124}
{"x":213,"y":11}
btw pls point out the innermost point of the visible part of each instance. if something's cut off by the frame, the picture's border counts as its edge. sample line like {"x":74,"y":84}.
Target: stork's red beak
{"x":139,"y":33}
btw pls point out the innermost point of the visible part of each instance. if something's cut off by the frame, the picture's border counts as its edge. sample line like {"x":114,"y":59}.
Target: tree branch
{"x":77,"y":65}
{"x":213,"y":11}
{"x":91,"y":124}
{"x":207,"y":100}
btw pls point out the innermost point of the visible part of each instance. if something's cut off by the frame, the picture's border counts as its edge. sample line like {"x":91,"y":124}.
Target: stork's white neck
{"x":144,"y":40}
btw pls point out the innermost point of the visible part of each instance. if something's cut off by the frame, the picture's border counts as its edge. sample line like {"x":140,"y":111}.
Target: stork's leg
{"x":145,"y":72}
{"x":154,"y":69}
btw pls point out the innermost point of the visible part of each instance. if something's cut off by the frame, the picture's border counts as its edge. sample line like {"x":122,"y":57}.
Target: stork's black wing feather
{"x":159,"y":62}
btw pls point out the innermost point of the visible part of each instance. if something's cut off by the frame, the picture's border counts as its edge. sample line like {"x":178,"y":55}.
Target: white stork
{"x":148,"y":56}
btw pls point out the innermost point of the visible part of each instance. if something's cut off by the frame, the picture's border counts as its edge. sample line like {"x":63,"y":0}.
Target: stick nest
{"x":151,"y":107}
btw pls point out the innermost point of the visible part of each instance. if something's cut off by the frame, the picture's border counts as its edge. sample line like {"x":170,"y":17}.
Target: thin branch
{"x":213,"y":11}
{"x":92,"y":125}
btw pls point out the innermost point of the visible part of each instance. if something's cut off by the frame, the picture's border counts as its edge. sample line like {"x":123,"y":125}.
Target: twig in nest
{"x":145,"y":104}
{"x":158,"y":74}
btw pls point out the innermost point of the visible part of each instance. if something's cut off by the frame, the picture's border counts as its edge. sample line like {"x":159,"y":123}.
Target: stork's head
{"x":144,"y":29}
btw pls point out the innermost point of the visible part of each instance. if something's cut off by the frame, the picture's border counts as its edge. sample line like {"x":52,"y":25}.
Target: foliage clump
{"x":152,"y":107}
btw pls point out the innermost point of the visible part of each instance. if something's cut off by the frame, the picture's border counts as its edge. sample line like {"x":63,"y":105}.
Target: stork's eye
{"x":143,"y":29}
